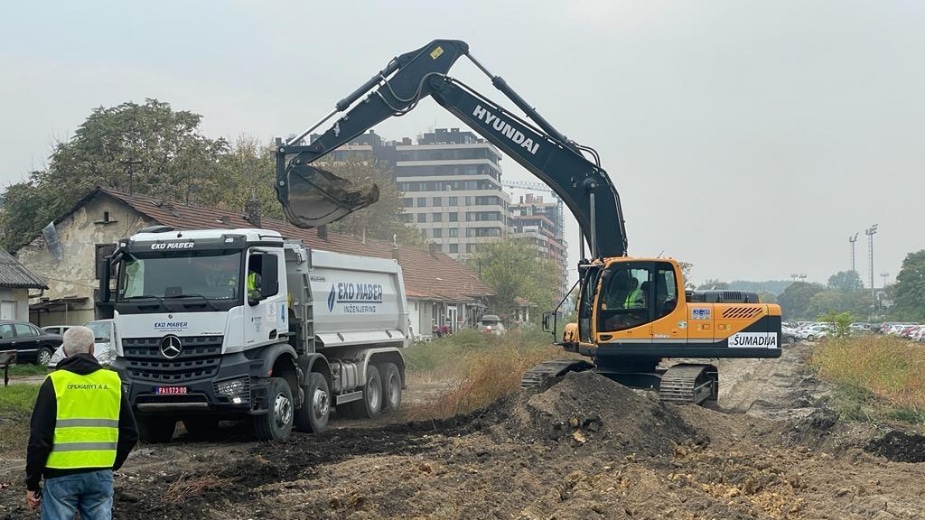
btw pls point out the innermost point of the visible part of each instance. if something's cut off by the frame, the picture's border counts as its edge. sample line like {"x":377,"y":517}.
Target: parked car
{"x":788,"y":337}
{"x":32,"y":344}
{"x":491,"y":324}
{"x":56,"y":329}
{"x":104,"y":343}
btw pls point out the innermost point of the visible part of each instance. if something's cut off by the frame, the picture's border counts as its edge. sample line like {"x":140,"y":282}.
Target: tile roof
{"x":429,"y":276}
{"x":14,"y":275}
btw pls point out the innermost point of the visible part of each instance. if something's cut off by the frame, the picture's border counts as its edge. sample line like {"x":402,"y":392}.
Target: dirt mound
{"x":588,"y":410}
{"x":899,"y":446}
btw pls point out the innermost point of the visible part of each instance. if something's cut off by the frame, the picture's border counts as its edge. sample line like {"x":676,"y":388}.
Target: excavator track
{"x":689,"y":384}
{"x":549,"y":372}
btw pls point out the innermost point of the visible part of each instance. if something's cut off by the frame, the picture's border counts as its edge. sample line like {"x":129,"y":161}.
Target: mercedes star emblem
{"x":171,"y":347}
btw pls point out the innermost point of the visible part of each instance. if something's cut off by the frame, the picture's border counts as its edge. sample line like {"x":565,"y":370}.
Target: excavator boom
{"x":312,"y":197}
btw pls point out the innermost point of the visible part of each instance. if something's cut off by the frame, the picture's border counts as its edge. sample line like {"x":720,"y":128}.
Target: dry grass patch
{"x":876,"y":377}
{"x":479,"y":369}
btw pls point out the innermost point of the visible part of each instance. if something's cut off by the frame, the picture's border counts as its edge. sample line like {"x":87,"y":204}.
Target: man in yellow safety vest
{"x":82,"y":429}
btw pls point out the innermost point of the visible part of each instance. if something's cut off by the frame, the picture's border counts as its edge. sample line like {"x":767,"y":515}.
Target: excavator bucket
{"x":317,"y":197}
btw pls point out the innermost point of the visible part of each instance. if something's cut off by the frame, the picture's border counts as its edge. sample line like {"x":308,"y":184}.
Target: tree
{"x":794,"y":301}
{"x":840,"y":321}
{"x":382,"y":220}
{"x":145,"y":149}
{"x":246,"y":171}
{"x":848,"y":281}
{"x":512,"y":269}
{"x":909,"y":289}
{"x":710,"y":285}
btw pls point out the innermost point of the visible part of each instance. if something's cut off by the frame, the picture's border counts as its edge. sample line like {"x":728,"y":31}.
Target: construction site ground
{"x":584,"y":448}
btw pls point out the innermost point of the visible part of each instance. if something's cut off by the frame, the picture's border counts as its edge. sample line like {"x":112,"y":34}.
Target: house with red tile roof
{"x":440,"y":290}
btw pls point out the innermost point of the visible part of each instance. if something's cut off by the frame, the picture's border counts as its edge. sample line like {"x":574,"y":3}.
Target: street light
{"x":870,"y":232}
{"x":852,"y":240}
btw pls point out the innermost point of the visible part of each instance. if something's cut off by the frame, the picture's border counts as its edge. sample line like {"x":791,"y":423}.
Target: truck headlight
{"x":232,"y":387}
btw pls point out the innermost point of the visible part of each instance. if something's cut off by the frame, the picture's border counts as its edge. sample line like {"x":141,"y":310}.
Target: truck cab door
{"x":262,"y":299}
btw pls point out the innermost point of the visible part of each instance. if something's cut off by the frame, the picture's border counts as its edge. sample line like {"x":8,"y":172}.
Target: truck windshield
{"x":209,"y":274}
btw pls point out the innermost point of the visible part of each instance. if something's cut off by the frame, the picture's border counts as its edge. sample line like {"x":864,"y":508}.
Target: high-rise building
{"x":451,"y":181}
{"x":541,"y":224}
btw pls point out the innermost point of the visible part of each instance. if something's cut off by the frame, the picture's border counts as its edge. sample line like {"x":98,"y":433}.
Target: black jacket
{"x":42,"y":427}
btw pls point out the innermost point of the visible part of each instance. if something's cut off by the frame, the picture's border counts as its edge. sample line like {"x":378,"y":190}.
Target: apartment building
{"x":541,"y":223}
{"x":451,"y":181}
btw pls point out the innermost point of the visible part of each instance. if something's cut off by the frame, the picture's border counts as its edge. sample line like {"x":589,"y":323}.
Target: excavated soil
{"x":584,"y":448}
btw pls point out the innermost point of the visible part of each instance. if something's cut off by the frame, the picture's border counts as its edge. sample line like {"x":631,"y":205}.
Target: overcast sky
{"x":750,"y":138}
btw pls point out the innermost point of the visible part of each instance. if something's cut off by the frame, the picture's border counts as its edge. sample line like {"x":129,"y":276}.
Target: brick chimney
{"x":252,"y":211}
{"x":396,"y":252}
{"x":432,"y":248}
{"x":323,"y":232}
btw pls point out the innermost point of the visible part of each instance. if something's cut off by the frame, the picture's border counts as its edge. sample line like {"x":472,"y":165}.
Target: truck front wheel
{"x":313,"y":415}
{"x":276,"y":424}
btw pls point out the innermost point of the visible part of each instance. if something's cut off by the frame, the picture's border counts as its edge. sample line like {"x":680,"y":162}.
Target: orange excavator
{"x":633,"y":313}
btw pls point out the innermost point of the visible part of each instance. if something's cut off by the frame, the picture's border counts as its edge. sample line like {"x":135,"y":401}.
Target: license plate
{"x":170,"y":390}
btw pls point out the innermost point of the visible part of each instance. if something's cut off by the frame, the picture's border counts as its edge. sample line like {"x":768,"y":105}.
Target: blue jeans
{"x":90,"y":493}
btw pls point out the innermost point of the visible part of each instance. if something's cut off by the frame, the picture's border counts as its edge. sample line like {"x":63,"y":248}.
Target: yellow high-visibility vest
{"x":87,"y":422}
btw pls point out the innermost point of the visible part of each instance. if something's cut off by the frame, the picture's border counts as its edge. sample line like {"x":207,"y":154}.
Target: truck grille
{"x":199,"y":358}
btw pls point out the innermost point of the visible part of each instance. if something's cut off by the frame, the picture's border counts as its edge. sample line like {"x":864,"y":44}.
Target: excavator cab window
{"x":635,"y":293}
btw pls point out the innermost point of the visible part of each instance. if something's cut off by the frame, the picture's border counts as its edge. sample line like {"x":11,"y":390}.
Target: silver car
{"x":104,"y":347}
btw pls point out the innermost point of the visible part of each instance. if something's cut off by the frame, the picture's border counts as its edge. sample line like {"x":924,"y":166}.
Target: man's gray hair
{"x":78,"y":340}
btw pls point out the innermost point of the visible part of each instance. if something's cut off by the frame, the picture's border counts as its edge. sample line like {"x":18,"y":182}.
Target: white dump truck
{"x":235,"y":323}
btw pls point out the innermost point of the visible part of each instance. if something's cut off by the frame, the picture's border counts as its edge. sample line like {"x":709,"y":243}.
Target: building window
{"x":407,"y":202}
{"x":454,"y":248}
{"x":454,"y":201}
{"x":422,"y":202}
{"x":454,"y":232}
{"x":438,"y":233}
{"x":422,"y":217}
{"x":438,"y":217}
{"x":454,"y":217}
{"x":438,"y":201}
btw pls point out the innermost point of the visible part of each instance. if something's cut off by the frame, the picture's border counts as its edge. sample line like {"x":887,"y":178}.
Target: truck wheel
{"x":315,"y":411}
{"x":391,"y":387}
{"x":154,"y":429}
{"x":371,"y":405}
{"x":276,"y":424}
{"x":201,"y":426}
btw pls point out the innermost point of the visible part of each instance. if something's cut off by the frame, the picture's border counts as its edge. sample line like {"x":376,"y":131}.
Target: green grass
{"x":28,"y":370}
{"x":16,"y":402}
{"x":876,"y":378}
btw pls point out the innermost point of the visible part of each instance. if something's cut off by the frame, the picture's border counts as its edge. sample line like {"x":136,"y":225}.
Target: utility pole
{"x":884,"y":276}
{"x":130,"y":169}
{"x":852,"y":240}
{"x":870,"y":232}
{"x":802,"y":277}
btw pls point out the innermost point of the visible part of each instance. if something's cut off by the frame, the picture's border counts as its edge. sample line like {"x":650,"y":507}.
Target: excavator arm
{"x":311,"y":196}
